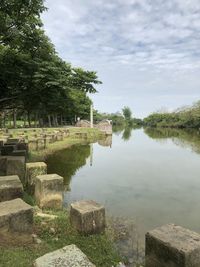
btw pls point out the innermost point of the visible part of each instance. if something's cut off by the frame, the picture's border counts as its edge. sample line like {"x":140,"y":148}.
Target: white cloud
{"x":139,"y":37}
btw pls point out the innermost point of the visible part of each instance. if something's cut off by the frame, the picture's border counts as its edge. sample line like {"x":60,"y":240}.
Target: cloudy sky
{"x":146,"y":52}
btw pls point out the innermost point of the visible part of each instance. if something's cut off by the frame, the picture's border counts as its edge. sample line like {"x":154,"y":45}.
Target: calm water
{"x":150,"y":176}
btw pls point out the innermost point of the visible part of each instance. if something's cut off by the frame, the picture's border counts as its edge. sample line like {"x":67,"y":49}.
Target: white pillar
{"x":91,"y":116}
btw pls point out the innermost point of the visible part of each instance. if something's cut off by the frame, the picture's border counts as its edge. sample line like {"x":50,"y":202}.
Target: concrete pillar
{"x":68,"y":256}
{"x":10,"y":188}
{"x":172,"y":246}
{"x":49,"y":191}
{"x":16,"y":166}
{"x":91,"y":116}
{"x":33,"y":169}
{"x":16,"y":216}
{"x":88,"y":217}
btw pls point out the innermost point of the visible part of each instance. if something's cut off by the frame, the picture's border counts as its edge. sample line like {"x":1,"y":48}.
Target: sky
{"x":146,"y":52}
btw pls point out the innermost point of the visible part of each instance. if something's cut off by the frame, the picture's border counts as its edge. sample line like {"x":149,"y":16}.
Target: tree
{"x":127,"y":114}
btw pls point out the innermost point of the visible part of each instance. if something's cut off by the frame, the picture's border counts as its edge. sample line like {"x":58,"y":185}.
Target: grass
{"x":98,"y":248}
{"x":92,"y":136}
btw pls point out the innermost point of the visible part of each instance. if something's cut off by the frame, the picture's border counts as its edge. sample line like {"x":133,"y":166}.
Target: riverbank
{"x":75,"y":136}
{"x":51,"y":234}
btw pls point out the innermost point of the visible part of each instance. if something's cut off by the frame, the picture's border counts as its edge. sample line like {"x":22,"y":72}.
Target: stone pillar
{"x":16,"y":216}
{"x":10,"y":188}
{"x":16,"y":166}
{"x":33,"y":169}
{"x":88,"y":217}
{"x":49,"y":191}
{"x":68,"y":256}
{"x":172,"y":246}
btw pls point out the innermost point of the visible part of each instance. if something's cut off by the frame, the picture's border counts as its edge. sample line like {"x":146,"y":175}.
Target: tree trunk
{"x":35,"y":120}
{"x":14,"y":118}
{"x":29,"y":119}
{"x":56,"y":120}
{"x":49,"y":120}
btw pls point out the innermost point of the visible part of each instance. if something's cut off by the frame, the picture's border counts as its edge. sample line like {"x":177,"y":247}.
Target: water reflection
{"x":181,"y":137}
{"x":107,"y":141}
{"x":151,"y":180}
{"x":127,"y":133}
{"x":68,"y":161}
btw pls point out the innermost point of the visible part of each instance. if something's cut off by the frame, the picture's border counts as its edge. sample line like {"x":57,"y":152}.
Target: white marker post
{"x":91,"y":116}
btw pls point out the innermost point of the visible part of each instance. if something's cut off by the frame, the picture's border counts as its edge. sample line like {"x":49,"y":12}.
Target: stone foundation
{"x":10,"y":188}
{"x":16,"y":215}
{"x":172,"y":246}
{"x":88,"y":217}
{"x":33,"y":169}
{"x":70,"y":256}
{"x":16,"y":166}
{"x":49,"y":191}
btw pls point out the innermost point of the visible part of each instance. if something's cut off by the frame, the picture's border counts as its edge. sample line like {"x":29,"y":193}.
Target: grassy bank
{"x":92,"y":136}
{"x":98,"y":248}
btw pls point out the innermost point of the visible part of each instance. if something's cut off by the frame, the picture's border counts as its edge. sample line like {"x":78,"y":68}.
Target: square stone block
{"x":6,"y":150}
{"x":10,"y":187}
{"x":88,"y":217}
{"x":19,"y":153}
{"x":3,"y":164}
{"x":16,"y":166}
{"x":13,"y":140}
{"x":16,"y":216}
{"x":22,"y":146}
{"x":69,"y":256}
{"x":172,"y":246}
{"x":49,"y":191}
{"x":33,"y":169}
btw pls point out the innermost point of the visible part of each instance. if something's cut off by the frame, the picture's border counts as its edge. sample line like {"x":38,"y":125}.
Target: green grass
{"x":98,"y":248}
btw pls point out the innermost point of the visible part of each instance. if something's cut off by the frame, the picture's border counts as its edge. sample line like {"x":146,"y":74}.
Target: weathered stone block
{"x":10,"y":187}
{"x":172,"y":246}
{"x":22,"y":146}
{"x":19,"y":153}
{"x":3,"y":164}
{"x":49,"y":191}
{"x":88,"y":217}
{"x":69,"y":256}
{"x":33,"y":169}
{"x":6,"y":150}
{"x":16,"y":215}
{"x":16,"y":166}
{"x":13,"y":140}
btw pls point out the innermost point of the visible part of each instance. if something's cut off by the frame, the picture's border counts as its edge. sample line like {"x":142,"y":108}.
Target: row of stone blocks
{"x":167,"y":246}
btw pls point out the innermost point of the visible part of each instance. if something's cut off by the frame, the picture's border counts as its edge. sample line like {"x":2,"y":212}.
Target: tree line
{"x":186,"y":117}
{"x":35,"y":83}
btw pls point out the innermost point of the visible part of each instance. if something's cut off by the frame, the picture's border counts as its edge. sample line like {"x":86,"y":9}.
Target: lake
{"x":150,"y":176}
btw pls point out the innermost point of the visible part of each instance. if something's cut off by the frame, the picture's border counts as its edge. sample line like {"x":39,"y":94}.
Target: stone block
{"x":2,"y":142}
{"x":10,"y":187}
{"x":6,"y":150}
{"x":49,"y":191}
{"x":19,"y":153}
{"x":22,"y":146}
{"x":16,"y":216}
{"x":33,"y":169}
{"x":3,"y":164}
{"x":69,"y":256}
{"x":172,"y":246}
{"x":88,"y":217}
{"x":16,"y":166}
{"x":13,"y":140}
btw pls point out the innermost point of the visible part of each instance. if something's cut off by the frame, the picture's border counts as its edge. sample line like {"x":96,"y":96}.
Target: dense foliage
{"x":35,"y":83}
{"x":187,"y":117}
